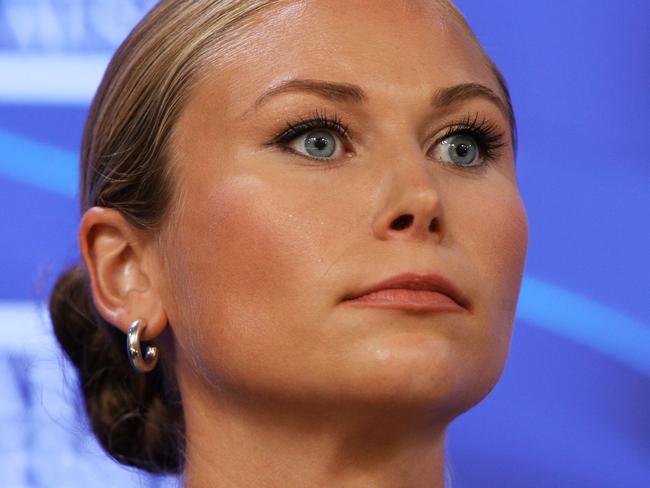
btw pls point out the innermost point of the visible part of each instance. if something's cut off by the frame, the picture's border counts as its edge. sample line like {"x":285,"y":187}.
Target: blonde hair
{"x":125,"y":165}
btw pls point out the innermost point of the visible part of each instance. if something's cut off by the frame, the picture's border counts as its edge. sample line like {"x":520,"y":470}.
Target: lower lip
{"x":412,"y":300}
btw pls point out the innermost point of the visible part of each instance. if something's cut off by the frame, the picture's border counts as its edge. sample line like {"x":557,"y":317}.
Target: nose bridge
{"x":409,"y":203}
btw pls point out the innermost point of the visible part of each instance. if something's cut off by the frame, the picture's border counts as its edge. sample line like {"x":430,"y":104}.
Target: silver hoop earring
{"x":140,"y":364}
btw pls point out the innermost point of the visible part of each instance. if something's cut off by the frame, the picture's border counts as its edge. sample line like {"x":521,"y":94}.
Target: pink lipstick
{"x":428,"y":292}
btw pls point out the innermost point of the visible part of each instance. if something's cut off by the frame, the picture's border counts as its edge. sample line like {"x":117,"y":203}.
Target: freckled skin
{"x":266,"y":244}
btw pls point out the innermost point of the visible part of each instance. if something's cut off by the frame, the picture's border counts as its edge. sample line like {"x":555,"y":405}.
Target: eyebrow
{"x":347,"y":92}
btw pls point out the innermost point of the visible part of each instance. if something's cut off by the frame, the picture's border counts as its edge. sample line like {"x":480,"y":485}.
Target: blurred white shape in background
{"x":56,"y":51}
{"x":45,"y":439}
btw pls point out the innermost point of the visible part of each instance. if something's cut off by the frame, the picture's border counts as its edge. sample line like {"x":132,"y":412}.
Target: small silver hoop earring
{"x":140,"y":364}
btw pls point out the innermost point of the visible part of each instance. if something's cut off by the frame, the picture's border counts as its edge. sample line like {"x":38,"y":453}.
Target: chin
{"x":433,"y":377}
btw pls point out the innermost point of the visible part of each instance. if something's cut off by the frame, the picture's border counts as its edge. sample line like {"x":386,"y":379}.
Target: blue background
{"x":573,"y":406}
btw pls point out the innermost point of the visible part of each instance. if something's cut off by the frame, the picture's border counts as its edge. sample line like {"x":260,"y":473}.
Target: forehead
{"x":399,"y":46}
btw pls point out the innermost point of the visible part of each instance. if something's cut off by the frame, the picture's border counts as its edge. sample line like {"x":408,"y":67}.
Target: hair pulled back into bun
{"x":137,"y":418}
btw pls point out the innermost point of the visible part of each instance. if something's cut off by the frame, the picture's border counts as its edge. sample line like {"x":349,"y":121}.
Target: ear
{"x":123,"y":271}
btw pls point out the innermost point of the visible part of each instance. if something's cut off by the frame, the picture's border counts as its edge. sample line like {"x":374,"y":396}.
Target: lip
{"x":422,"y":292}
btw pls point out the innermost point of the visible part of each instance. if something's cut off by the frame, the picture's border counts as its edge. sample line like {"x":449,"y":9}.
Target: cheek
{"x":248,"y":250}
{"x":496,"y":235}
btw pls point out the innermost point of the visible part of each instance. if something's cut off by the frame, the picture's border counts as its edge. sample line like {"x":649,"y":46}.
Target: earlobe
{"x":116,"y":256}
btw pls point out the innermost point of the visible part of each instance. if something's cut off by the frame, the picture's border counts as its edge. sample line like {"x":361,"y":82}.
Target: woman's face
{"x":269,"y":239}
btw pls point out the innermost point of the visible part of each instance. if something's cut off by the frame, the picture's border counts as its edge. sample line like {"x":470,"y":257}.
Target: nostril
{"x":402,"y":222}
{"x":433,"y":226}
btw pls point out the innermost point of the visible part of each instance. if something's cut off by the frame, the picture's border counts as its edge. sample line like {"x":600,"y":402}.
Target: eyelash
{"x":486,"y":134}
{"x":318,"y":120}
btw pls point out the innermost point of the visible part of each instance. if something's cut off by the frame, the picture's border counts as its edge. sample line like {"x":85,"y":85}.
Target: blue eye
{"x":316,"y":143}
{"x":318,"y":137}
{"x":460,"y":150}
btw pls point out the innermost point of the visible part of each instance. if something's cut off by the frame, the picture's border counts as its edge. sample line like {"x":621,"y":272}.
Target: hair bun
{"x":136,"y":418}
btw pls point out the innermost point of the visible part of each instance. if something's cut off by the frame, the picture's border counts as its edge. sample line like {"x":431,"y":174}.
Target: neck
{"x":234,"y":443}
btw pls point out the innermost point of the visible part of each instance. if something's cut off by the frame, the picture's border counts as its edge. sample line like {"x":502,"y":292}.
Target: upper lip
{"x":416,"y":281}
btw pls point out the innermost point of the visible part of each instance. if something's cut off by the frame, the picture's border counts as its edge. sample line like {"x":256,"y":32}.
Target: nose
{"x":409,"y":205}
